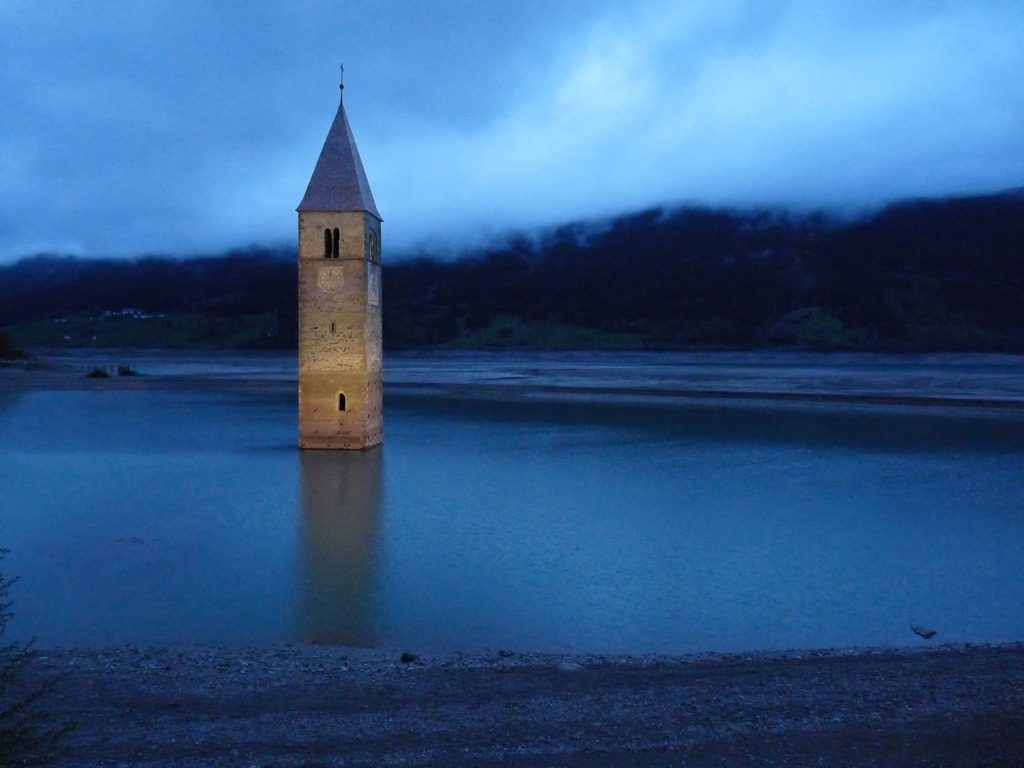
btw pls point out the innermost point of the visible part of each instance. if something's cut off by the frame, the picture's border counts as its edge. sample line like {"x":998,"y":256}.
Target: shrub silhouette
{"x":27,"y":737}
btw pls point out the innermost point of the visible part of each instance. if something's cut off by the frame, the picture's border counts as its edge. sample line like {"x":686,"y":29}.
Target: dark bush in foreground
{"x":26,"y":736}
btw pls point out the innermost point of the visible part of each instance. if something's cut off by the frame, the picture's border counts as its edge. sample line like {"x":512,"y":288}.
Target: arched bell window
{"x":337,"y":242}
{"x":327,"y":243}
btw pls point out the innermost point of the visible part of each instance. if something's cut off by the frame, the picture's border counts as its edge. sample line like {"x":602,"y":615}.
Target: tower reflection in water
{"x":341,"y":492}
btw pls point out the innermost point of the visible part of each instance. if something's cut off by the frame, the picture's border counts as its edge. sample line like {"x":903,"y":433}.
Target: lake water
{"x":186,"y":515}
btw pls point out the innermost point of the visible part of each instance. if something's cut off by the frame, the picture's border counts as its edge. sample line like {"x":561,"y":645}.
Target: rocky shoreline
{"x":325,"y":706}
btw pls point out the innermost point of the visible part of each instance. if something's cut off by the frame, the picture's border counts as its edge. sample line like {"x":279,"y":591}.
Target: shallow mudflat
{"x":310,"y":706}
{"x":950,"y":379}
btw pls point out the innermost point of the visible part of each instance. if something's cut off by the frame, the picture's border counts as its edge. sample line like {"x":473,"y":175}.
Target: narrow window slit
{"x":341,"y":401}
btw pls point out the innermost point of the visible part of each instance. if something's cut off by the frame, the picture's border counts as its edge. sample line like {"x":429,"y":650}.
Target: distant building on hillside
{"x":340,"y":392}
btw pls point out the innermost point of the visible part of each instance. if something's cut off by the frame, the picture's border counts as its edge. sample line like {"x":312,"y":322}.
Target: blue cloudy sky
{"x":181,"y":126}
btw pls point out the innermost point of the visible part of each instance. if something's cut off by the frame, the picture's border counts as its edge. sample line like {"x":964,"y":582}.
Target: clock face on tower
{"x":330,"y":279}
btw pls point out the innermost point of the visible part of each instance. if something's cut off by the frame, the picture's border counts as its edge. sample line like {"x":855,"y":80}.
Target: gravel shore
{"x":316,"y":706}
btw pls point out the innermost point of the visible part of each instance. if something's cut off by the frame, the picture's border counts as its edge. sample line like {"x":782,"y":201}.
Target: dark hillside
{"x":205,"y":293}
{"x":920,"y":275}
{"x":945,"y":274}
{"x":240,"y":282}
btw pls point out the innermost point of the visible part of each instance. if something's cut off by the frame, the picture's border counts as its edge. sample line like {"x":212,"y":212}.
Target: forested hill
{"x":934,"y":274}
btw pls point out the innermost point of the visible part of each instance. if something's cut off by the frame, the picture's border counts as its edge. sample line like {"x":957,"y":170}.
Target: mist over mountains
{"x":920,"y":275}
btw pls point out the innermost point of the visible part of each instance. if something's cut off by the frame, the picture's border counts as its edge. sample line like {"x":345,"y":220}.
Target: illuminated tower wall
{"x":340,"y":392}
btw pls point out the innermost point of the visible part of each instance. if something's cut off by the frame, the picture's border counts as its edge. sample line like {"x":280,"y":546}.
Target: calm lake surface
{"x":186,"y":515}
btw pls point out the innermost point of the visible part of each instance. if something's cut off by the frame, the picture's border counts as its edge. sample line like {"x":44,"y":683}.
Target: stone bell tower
{"x":340,"y":392}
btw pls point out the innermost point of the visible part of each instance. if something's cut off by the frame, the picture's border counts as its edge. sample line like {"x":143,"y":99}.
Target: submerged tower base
{"x":321,"y":422}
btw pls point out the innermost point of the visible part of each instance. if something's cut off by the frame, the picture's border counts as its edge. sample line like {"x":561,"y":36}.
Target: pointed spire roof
{"x":339,"y":181}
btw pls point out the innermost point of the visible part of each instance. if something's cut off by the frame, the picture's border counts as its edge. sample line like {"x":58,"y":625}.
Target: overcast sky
{"x":181,"y":127}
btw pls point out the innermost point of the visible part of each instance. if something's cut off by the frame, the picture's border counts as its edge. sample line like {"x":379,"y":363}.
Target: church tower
{"x":340,"y":393}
